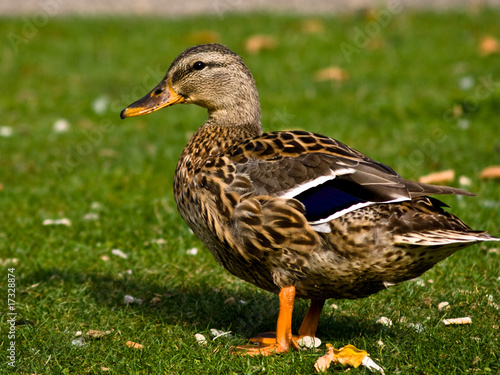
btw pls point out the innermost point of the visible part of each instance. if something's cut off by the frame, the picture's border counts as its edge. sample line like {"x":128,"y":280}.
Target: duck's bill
{"x":160,"y":97}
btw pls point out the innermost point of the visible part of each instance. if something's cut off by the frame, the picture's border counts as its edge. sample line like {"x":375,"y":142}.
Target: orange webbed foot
{"x":282,"y":340}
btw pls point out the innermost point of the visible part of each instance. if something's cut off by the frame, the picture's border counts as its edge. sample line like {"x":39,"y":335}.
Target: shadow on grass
{"x":245,"y":310}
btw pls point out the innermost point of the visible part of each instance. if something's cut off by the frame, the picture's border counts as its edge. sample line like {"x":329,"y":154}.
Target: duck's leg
{"x":310,"y":322}
{"x":283,"y":339}
{"x":307,"y":328}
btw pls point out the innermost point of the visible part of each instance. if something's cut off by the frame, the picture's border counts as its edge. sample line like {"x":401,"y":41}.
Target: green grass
{"x":393,"y":108}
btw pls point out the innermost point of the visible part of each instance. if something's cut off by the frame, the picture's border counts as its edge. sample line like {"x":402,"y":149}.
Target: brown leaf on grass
{"x":490,"y":172}
{"x":348,"y":355}
{"x":259,"y":42}
{"x":203,"y":37}
{"x":134,"y":345}
{"x":332,"y":73}
{"x":442,"y":177}
{"x":313,"y":26}
{"x":96,"y":335}
{"x":489,"y":46}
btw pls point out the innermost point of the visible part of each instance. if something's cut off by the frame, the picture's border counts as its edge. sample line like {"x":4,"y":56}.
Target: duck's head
{"x":211,"y":76}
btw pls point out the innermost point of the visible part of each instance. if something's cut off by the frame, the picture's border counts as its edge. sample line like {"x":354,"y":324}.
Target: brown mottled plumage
{"x":293,"y":212}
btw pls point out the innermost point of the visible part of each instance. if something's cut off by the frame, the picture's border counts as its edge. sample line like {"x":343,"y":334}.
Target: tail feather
{"x":444,"y":237}
{"x":419,"y":189}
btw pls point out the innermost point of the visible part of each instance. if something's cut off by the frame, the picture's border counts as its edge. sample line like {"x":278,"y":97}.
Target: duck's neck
{"x":237,"y":107}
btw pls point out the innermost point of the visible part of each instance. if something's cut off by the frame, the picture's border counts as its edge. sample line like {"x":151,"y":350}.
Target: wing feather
{"x":326,"y":176}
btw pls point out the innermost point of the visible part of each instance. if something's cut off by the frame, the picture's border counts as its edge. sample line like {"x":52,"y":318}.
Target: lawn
{"x":418,"y":93}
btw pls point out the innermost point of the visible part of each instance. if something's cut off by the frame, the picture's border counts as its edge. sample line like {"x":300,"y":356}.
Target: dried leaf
{"x":489,"y":46}
{"x":313,"y":26}
{"x":348,"y":355}
{"x":442,"y":177}
{"x":219,"y":333}
{"x":450,"y":321}
{"x":134,"y":345}
{"x":96,"y":335}
{"x":119,"y":253}
{"x":490,"y":172}
{"x":259,"y":42}
{"x":332,"y":73}
{"x":63,"y":221}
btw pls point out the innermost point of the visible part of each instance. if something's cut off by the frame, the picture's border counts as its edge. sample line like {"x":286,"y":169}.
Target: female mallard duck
{"x":293,"y":212}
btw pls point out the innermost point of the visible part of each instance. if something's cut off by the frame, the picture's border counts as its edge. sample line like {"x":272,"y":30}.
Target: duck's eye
{"x":199,"y":65}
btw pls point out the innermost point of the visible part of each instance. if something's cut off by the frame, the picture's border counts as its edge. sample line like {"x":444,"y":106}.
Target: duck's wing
{"x":329,"y":178}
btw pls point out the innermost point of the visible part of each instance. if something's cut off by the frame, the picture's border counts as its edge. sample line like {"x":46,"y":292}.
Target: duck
{"x":295,"y":213}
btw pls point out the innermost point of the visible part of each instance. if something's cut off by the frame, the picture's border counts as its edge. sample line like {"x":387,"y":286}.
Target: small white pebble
{"x":61,"y":126}
{"x":128,"y":299}
{"x":463,"y":123}
{"x":309,"y":342}
{"x":465,"y":320}
{"x":100,"y":105}
{"x":491,"y":303}
{"x":96,"y":206}
{"x":6,"y":131}
{"x":192,"y":251}
{"x":384,"y":321}
{"x":78,"y":333}
{"x":443,"y":305}
{"x":464,"y":181}
{"x":419,"y":282}
{"x":418,"y":327}
{"x":79,"y":342}
{"x":119,"y":253}
{"x":466,"y":82}
{"x":91,"y":216}
{"x":200,"y":339}
{"x":62,"y":221}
